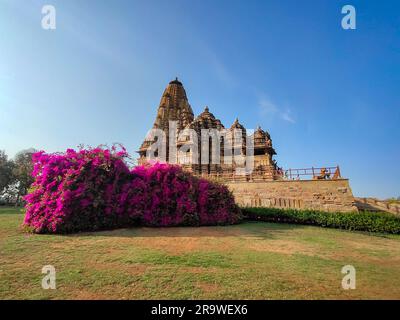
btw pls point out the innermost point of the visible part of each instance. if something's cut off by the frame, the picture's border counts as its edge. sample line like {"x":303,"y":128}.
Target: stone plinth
{"x":326,"y":195}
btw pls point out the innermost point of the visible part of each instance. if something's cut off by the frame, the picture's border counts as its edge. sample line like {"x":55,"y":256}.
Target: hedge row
{"x":360,"y":221}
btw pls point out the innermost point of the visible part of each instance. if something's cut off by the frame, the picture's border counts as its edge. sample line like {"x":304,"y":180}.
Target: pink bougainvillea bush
{"x":94,"y":189}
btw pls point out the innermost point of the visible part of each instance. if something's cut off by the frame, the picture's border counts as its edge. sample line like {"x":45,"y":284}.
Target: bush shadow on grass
{"x":262,"y":230}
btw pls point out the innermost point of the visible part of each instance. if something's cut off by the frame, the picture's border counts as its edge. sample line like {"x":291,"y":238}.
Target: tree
{"x":22,"y":171}
{"x":6,"y":171}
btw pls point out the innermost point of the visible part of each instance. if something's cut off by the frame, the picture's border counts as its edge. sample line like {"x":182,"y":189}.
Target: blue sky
{"x":327,"y":96}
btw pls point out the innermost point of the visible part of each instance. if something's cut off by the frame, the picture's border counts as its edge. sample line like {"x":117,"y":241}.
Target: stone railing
{"x":313,"y":173}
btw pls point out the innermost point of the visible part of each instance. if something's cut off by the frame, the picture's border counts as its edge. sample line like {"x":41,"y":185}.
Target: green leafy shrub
{"x":361,"y":221}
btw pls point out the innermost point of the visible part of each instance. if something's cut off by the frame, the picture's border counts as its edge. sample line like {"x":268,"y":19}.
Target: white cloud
{"x":266,"y":106}
{"x":287,"y":116}
{"x":271,"y":109}
{"x":220,"y":70}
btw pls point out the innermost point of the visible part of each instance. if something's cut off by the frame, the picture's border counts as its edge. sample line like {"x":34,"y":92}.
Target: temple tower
{"x":174,"y":106}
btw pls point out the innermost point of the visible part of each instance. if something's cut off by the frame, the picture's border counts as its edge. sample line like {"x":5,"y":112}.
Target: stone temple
{"x":265,"y":185}
{"x":174,"y":106}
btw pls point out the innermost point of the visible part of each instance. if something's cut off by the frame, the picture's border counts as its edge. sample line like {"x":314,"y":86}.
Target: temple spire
{"x":174,"y":106}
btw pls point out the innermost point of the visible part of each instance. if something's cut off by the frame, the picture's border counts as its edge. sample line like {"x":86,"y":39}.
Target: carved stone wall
{"x":326,"y":195}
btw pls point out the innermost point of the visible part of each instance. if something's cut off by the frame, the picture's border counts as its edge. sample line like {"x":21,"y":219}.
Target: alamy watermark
{"x":349,"y":20}
{"x":49,"y":280}
{"x":209,"y":146}
{"x":49,"y":17}
{"x":349,"y":280}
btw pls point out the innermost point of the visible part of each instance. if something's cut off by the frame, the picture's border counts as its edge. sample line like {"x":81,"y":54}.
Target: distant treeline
{"x":15,"y":176}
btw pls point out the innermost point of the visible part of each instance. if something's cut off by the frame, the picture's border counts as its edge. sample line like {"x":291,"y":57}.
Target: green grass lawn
{"x":253,"y":260}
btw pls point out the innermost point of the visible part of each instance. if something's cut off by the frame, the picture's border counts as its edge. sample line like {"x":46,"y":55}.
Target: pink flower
{"x":93,"y":189}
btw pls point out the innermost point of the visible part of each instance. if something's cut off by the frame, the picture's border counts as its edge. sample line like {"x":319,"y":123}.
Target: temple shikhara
{"x":174,"y":108}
